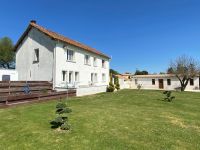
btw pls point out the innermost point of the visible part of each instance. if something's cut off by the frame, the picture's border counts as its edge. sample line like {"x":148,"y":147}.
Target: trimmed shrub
{"x":111,"y":87}
{"x":139,"y":86}
{"x":168,"y":96}
{"x":61,"y":121}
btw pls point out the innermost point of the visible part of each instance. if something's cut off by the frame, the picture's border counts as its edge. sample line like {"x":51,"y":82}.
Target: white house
{"x":8,"y":75}
{"x":43,"y":55}
{"x":163,"y":82}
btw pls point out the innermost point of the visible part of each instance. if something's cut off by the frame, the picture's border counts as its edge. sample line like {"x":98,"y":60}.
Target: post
{"x":9,"y":87}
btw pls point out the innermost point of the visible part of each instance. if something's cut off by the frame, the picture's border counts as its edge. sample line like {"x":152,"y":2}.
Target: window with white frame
{"x":95,"y":62}
{"x":136,"y":81}
{"x":103,"y":64}
{"x":5,"y":77}
{"x":70,"y":77}
{"x":103,"y":77}
{"x":92,"y":77}
{"x":70,"y":55}
{"x":36,"y":55}
{"x":64,"y":75}
{"x":87,"y":60}
{"x":95,"y":77}
{"x":76,"y":76}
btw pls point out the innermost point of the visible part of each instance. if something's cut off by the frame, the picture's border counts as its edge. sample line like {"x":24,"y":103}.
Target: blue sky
{"x":142,"y":34}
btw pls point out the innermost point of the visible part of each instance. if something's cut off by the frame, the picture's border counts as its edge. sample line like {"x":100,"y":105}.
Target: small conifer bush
{"x":61,"y":120}
{"x":168,"y":96}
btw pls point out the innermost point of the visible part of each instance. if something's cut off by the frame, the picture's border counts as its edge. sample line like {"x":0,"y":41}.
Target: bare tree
{"x":185,"y":68}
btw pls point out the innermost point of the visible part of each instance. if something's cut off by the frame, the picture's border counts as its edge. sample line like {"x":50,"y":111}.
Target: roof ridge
{"x":63,"y":38}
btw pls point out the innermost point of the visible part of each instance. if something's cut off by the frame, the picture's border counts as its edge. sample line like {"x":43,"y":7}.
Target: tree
{"x":7,"y":54}
{"x":112,"y":71}
{"x":138,"y":72}
{"x":185,"y":68}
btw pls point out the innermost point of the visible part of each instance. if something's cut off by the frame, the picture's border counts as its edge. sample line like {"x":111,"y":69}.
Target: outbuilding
{"x":8,"y":75}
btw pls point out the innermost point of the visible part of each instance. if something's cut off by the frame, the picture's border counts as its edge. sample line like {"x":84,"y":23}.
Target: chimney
{"x":33,"y":21}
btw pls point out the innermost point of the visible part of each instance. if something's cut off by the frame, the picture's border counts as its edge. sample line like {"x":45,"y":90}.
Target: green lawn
{"x":129,"y":119}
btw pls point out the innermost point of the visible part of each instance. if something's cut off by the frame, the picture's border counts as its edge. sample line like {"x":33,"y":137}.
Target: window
{"x":36,"y":56}
{"x":87,"y":60}
{"x":191,"y":82}
{"x":95,"y":77}
{"x":95,"y":62}
{"x":64,"y":75}
{"x":5,"y":77}
{"x":70,"y":55}
{"x":103,"y":77}
{"x":168,"y":81}
{"x":103,"y":64}
{"x":153,"y":82}
{"x":92,"y":77}
{"x":76,"y":76}
{"x":136,"y":81}
{"x":70,"y":77}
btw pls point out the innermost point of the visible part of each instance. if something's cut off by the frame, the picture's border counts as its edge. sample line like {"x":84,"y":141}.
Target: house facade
{"x":163,"y":82}
{"x":43,"y":55}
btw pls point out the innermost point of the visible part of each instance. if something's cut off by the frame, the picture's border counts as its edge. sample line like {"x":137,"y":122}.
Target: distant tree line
{"x":143,"y":72}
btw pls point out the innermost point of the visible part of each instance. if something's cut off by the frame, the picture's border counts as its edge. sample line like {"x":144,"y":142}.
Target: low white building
{"x":163,"y":82}
{"x":8,"y":75}
{"x":43,"y":55}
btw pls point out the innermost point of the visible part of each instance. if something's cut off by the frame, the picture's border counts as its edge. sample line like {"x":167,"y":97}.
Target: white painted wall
{"x":42,"y":71}
{"x":53,"y":60}
{"x":79,"y":66}
{"x":82,"y":91}
{"x":125,"y":84}
{"x":12,"y":73}
{"x":146,"y":83}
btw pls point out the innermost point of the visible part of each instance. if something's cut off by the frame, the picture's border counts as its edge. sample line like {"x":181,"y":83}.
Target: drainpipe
{"x":54,"y":66}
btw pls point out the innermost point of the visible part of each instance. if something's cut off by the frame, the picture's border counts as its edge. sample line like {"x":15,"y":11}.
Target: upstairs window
{"x":87,"y":60}
{"x":70,"y":55}
{"x":153,"y":82}
{"x":168,"y":81}
{"x":36,"y":55}
{"x":95,"y":62}
{"x":191,"y":82}
{"x":103,"y":64}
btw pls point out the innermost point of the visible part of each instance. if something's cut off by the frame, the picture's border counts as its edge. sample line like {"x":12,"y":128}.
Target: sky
{"x":137,"y":34}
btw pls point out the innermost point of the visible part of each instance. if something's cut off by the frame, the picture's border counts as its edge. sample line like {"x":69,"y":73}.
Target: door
{"x":161,"y":83}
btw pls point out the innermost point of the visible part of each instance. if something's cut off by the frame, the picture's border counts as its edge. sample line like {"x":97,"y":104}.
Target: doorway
{"x":161,"y":83}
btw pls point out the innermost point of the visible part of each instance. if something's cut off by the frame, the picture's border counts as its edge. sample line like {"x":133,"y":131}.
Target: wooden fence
{"x":22,"y":91}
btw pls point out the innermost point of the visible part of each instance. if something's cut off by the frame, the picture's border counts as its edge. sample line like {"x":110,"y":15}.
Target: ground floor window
{"x":93,"y":77}
{"x":103,"y":77}
{"x":153,"y":82}
{"x":168,"y":81}
{"x":136,"y":81}
{"x":64,"y":75}
{"x":76,"y":76}
{"x":191,"y":82}
{"x":5,"y":77}
{"x":70,"y":77}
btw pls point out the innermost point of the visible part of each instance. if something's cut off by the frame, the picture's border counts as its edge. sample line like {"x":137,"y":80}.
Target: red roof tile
{"x":58,"y":37}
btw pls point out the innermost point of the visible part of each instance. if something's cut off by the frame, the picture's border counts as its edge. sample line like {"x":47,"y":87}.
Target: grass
{"x":129,"y":119}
